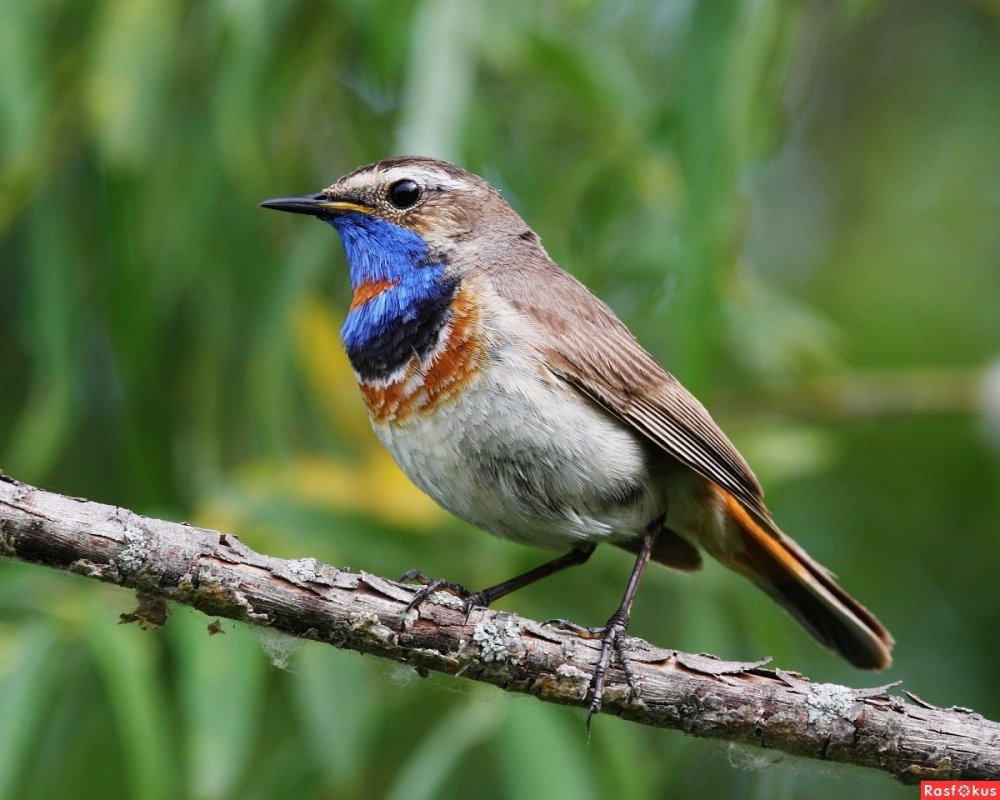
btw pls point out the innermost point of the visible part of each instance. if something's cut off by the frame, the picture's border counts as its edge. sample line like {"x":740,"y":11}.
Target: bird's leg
{"x":613,"y":633}
{"x":484,"y":597}
{"x":430,"y":585}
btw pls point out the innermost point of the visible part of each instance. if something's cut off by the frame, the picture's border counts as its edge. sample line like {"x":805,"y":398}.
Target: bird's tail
{"x":804,"y":588}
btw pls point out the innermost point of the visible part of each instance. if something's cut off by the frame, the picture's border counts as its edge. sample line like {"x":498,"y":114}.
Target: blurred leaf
{"x":784,"y":450}
{"x":127,"y":658}
{"x":441,"y":745}
{"x":545,"y":755}
{"x":132,"y":55}
{"x":338,"y":701}
{"x":439,"y":77}
{"x":52,"y":318}
{"x":28,"y":669}
{"x":774,"y":335}
{"x":328,"y":372}
{"x":219,"y":685}
{"x":324,"y":483}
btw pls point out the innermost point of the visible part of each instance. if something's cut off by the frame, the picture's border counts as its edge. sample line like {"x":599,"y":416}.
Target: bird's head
{"x":407,"y":213}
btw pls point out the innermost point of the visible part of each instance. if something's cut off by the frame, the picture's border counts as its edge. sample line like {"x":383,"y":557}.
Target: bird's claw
{"x":612,"y":638}
{"x":580,"y":630}
{"x":469,"y":598}
{"x":613,"y":641}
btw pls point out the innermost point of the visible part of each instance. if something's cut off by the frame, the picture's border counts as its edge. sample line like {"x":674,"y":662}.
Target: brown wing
{"x":590,"y":348}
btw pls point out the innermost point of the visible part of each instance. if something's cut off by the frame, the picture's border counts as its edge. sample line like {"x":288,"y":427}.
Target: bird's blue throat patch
{"x":402,"y":300}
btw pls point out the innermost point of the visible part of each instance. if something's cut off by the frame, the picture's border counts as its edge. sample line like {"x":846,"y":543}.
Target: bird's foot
{"x":469,"y":598}
{"x":612,"y":638}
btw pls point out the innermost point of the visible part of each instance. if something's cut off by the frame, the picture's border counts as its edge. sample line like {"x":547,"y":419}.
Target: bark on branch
{"x":700,"y":695}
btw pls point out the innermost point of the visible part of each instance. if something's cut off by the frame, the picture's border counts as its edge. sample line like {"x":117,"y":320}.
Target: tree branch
{"x":700,"y":695}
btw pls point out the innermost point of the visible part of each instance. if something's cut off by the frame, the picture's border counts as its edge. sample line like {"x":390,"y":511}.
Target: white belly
{"x":525,"y":457}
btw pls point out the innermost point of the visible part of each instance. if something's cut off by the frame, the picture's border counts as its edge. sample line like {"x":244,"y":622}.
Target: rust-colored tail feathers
{"x":805,"y":589}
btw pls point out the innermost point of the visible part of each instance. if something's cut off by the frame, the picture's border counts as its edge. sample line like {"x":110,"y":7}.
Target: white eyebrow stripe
{"x":423,"y":176}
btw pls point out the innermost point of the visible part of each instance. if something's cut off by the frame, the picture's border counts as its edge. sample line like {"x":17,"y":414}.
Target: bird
{"x":522,"y":404}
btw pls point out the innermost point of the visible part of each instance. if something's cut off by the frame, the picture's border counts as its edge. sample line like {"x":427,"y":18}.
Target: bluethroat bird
{"x":517,"y":400}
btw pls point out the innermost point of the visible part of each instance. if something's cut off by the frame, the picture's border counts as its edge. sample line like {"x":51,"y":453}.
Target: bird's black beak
{"x":317,"y":205}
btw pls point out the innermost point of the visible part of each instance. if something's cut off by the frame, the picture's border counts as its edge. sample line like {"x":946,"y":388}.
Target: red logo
{"x":960,"y":789}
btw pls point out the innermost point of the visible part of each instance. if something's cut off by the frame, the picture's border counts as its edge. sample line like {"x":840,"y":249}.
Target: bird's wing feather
{"x":590,"y":348}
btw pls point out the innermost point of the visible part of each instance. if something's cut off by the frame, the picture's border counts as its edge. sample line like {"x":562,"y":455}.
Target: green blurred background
{"x":794,"y":205}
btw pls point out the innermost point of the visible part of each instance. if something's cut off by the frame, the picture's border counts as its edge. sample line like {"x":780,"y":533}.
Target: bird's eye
{"x":404,"y":193}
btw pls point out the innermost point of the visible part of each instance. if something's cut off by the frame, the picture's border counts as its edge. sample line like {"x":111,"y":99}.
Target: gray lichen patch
{"x":131,"y":558}
{"x":499,"y":639}
{"x":827,"y":702}
{"x":304,"y":570}
{"x":447,"y":599}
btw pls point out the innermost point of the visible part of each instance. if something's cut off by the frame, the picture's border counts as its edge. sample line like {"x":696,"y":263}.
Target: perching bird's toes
{"x":612,"y":638}
{"x":580,"y":630}
{"x":469,"y":598}
{"x":613,"y":641}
